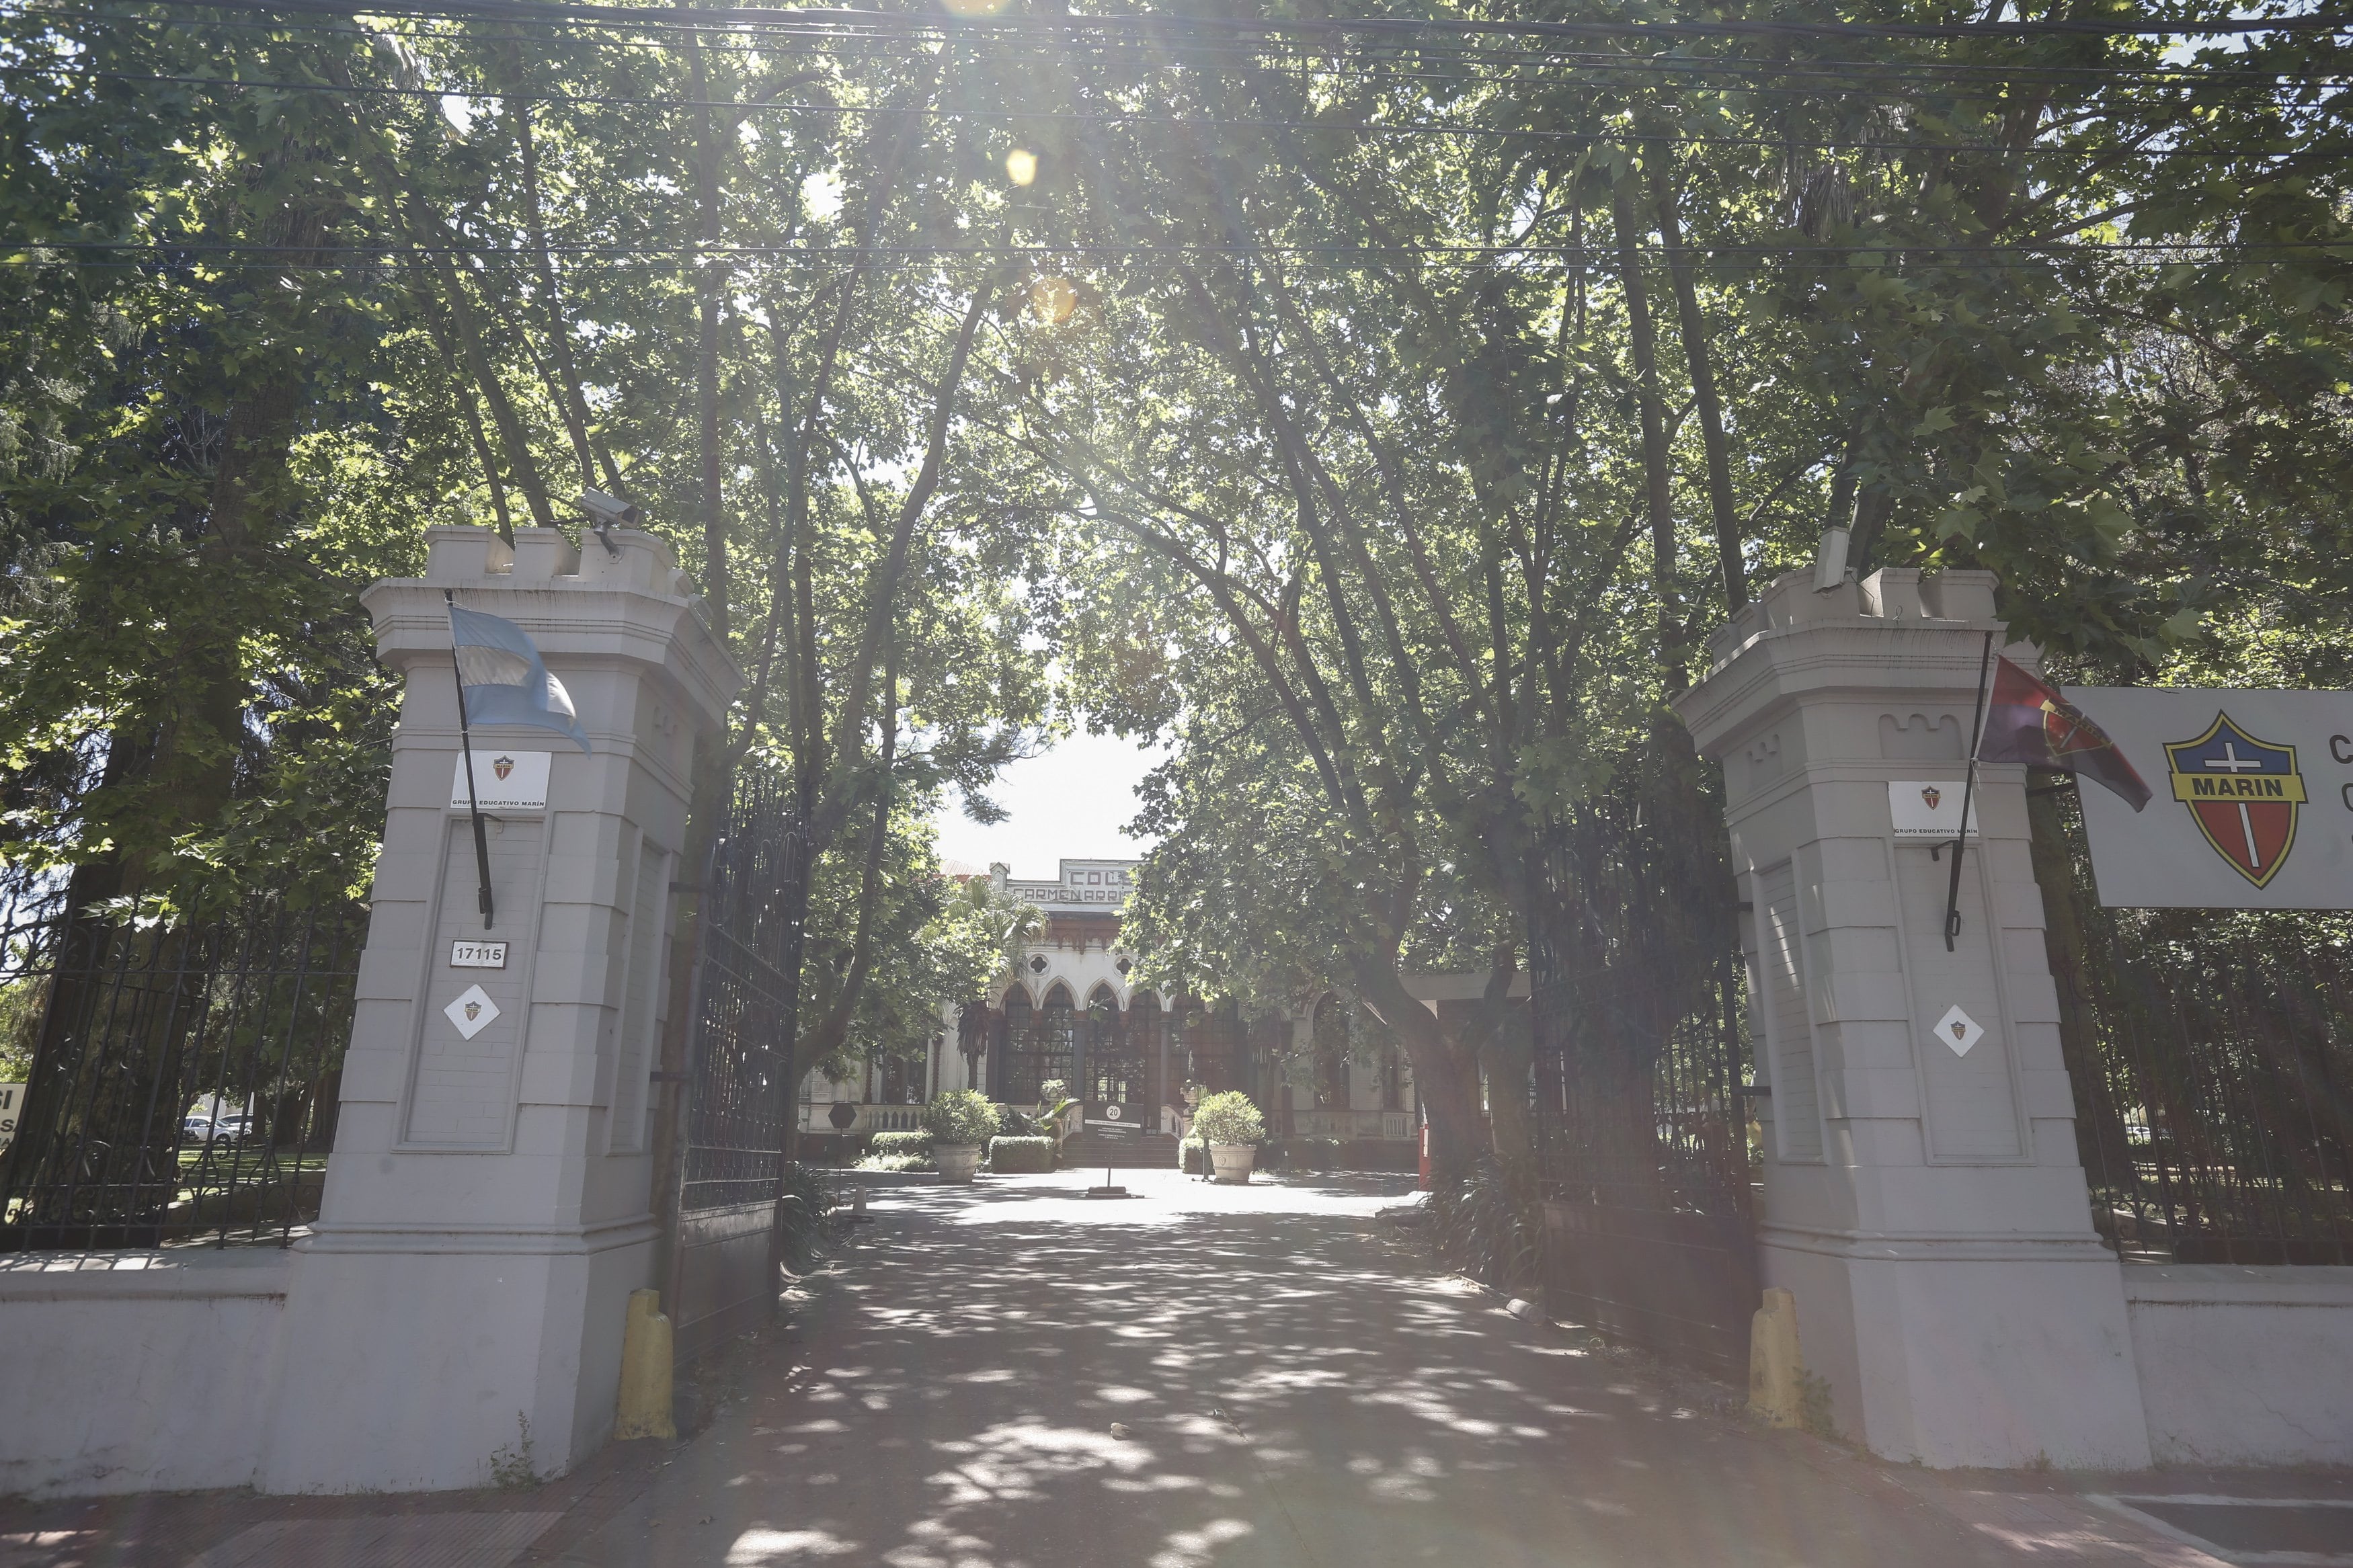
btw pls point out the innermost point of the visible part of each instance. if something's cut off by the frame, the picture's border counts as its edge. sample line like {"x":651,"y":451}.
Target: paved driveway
{"x":1012,"y":1374}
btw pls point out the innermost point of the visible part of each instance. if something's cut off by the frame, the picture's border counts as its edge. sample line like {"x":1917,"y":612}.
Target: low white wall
{"x":137,"y":1371}
{"x":2243,"y":1365}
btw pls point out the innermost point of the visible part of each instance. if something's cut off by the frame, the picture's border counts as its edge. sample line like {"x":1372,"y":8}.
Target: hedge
{"x":916,"y":1143}
{"x":1009,"y":1156}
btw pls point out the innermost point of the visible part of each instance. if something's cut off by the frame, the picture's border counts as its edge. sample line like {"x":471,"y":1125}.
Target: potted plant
{"x":1230,"y":1127}
{"x":960,"y":1122}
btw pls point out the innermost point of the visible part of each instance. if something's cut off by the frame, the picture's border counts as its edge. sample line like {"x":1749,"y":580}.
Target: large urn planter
{"x":961,"y":1123}
{"x":1231,"y":1126}
{"x":1232,"y":1162}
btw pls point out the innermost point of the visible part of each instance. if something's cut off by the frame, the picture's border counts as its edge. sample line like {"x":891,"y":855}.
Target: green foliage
{"x":1228,"y":1118}
{"x":1020,"y":1155}
{"x":960,"y":1116}
{"x":1815,"y":1413}
{"x":1482,"y":1225}
{"x":895,"y":1163}
{"x":1334,"y":455}
{"x":801,"y":1212}
{"x":21,"y":1002}
{"x":916,"y":1143}
{"x":1308,"y":1153}
{"x":513,"y":1466}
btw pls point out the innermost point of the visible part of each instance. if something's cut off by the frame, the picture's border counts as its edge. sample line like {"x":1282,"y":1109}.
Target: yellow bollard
{"x":1775,"y":1366}
{"x":645,"y":1407}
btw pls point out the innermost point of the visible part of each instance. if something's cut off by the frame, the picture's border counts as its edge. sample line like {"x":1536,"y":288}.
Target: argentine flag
{"x":503,"y":681}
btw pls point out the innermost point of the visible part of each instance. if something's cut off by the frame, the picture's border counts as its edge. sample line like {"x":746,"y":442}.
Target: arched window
{"x":1060,"y":1028}
{"x":1102,"y":1020}
{"x":1143,"y":1025}
{"x":1019,"y":1017}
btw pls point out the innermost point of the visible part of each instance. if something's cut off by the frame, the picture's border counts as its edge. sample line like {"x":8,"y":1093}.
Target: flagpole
{"x":466,"y":743}
{"x":1969,"y":791}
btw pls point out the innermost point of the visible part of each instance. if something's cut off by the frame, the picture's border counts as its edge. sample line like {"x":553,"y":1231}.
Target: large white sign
{"x":2253,"y":804}
{"x":503,"y":780}
{"x":1929,"y":808}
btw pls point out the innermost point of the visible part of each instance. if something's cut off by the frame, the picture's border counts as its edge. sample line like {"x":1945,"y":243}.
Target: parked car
{"x":196,"y":1130}
{"x":232,"y":1129}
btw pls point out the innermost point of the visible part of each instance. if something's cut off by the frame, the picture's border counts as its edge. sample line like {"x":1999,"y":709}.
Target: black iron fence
{"x":2211,"y":1054}
{"x":730,"y":1227}
{"x":1645,"y":1107}
{"x":185,"y":1079}
{"x":1639,"y":1022}
{"x":739,"y":1104}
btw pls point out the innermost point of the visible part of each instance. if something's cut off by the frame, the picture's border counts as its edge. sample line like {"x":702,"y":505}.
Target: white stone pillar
{"x":487,"y":1209}
{"x":1925,"y":1205}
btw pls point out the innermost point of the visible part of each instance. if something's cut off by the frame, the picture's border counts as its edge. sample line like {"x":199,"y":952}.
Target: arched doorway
{"x":1116,"y":1089}
{"x":1039,"y":1044}
{"x":972,"y":1040}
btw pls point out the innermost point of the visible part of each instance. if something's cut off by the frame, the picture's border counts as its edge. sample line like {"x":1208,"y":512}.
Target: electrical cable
{"x":1835,"y":69}
{"x":1017,"y":117}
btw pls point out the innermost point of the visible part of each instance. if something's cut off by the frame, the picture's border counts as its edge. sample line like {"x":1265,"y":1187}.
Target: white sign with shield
{"x":2252,"y":799}
{"x":1929,"y":808}
{"x":503,"y":780}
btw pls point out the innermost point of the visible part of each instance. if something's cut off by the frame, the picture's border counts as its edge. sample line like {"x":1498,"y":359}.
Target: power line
{"x":1018,"y":117}
{"x":29,"y":251}
{"x":1838,"y":69}
{"x":819,"y":19}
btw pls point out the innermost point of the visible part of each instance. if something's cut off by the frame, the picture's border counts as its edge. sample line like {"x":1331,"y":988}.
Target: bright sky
{"x":1070,"y":802}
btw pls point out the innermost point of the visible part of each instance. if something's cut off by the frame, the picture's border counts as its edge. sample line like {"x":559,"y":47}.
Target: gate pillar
{"x":1924,"y":1199}
{"x":459,"y":1304}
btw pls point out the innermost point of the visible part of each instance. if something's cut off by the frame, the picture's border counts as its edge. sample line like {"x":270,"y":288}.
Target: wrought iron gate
{"x":739,"y":1102}
{"x":1638,"y":1009}
{"x":1118,"y":1067}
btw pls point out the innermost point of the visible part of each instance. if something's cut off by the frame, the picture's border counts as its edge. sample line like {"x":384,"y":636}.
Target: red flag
{"x":2028,"y":721}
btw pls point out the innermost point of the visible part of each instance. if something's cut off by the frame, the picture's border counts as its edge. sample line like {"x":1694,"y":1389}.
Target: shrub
{"x":1008,"y":1156}
{"x":894,"y":1162}
{"x":809,"y":1193}
{"x":1228,"y":1118}
{"x":916,"y":1143}
{"x":1311,"y":1153}
{"x":1053,"y":1091}
{"x":1481,"y":1226}
{"x":960,"y":1116}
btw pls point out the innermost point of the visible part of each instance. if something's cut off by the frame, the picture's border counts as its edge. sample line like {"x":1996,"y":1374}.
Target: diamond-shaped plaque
{"x":472,"y":1012}
{"x":1960,"y":1031}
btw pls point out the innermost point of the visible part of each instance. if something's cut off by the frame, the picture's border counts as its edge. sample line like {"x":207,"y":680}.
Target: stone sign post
{"x":460,"y":1302}
{"x":1924,"y":1200}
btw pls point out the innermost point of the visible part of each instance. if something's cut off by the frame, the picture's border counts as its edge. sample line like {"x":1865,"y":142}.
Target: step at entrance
{"x":1151,"y":1151}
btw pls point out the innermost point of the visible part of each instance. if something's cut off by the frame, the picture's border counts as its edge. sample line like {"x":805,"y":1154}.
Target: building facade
{"x":1133,"y":1056}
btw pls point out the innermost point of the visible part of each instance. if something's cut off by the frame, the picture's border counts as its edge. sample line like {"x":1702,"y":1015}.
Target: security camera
{"x":610,"y":511}
{"x":607,"y":513}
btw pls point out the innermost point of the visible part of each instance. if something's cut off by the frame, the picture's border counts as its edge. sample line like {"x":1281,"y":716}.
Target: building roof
{"x":1097,"y":887}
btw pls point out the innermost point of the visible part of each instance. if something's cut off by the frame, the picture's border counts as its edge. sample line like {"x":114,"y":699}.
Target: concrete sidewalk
{"x":1011,"y":1374}
{"x":1015,"y":1374}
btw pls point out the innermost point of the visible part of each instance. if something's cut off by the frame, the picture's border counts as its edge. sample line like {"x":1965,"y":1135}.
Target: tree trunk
{"x":1657,"y":476}
{"x":709,"y":278}
{"x":1693,"y":327}
{"x":1446,"y":1078}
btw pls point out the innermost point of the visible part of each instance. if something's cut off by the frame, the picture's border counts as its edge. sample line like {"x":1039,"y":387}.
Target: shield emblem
{"x":502,"y":766}
{"x":1931,"y":796}
{"x":2243,"y":793}
{"x":473,"y":1011}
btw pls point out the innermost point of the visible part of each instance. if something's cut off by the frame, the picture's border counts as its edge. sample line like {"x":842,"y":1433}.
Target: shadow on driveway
{"x":1014,"y":1374}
